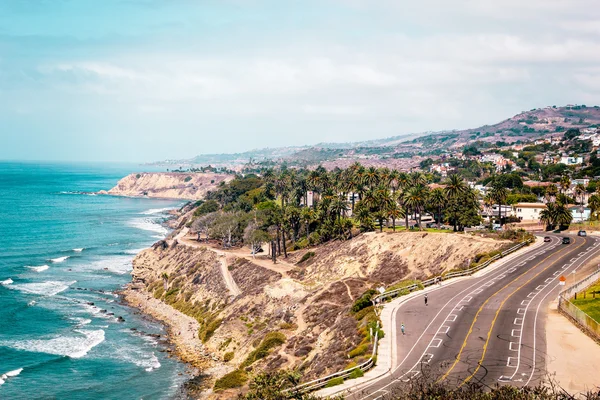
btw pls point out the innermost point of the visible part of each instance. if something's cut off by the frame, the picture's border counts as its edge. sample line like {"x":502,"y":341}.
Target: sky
{"x":147,"y":80}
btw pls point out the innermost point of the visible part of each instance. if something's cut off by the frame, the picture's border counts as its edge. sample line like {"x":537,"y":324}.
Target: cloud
{"x":349,"y":69}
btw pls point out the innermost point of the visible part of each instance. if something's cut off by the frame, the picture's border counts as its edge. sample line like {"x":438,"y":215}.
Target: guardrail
{"x":589,"y":324}
{"x":323,"y":381}
{"x":455,"y":274}
{"x":368,"y":364}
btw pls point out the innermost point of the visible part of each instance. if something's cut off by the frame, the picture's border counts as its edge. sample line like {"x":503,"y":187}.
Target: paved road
{"x":489,"y":329}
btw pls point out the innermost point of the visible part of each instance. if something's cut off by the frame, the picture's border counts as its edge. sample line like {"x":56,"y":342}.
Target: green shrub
{"x":187,"y":179}
{"x":209,"y":330}
{"x":288,"y":326}
{"x":306,"y":257}
{"x":335,"y":382}
{"x":363,"y":301}
{"x":234,"y":379}
{"x":271,"y":340}
{"x":360,"y":350}
{"x":357,"y":373}
{"x":228,"y":356}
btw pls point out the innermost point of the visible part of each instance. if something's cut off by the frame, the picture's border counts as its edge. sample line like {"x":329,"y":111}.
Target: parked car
{"x":566,"y":240}
{"x":546,"y":238}
{"x":582,"y":233}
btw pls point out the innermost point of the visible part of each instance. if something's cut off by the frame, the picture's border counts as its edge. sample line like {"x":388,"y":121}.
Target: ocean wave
{"x":59,"y":259}
{"x":49,"y":288}
{"x":6,"y":282}
{"x":118,"y":264}
{"x":153,"y":211}
{"x":134,"y":251}
{"x":81,"y":322}
{"x":137,"y":356}
{"x":148,"y":224}
{"x":38,"y":269}
{"x":9,"y":374}
{"x":79,"y":250}
{"x":67,"y":346}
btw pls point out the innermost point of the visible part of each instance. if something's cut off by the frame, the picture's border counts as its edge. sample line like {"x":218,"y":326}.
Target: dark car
{"x":546,"y":238}
{"x":566,"y":240}
{"x":582,"y":233}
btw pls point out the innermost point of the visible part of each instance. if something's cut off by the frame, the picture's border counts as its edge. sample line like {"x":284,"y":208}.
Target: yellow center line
{"x":497,"y":312}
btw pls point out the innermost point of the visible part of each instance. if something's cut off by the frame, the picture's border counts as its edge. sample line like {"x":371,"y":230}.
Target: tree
{"x":255,"y":237}
{"x":437,"y":200}
{"x":499,"y":194}
{"x":395,"y":212}
{"x":415,"y":199}
{"x":594,"y":203}
{"x":455,"y":189}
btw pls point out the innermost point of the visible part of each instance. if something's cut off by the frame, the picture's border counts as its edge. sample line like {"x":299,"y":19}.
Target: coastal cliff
{"x":249,"y":315}
{"x":168,"y":185}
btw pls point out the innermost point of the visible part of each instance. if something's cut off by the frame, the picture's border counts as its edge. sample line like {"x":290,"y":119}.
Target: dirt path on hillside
{"x":233,"y":288}
{"x":282,"y":267}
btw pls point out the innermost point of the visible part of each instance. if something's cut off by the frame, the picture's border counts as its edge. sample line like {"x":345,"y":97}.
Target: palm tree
{"x":488,"y":203}
{"x":455,"y":188}
{"x":308,"y":216}
{"x":339,"y":206}
{"x":563,"y":215}
{"x":594,"y":203}
{"x":437,"y":200}
{"x":565,"y":183}
{"x":395,"y":212}
{"x":551,"y":193}
{"x":415,"y":198}
{"x":499,"y":194}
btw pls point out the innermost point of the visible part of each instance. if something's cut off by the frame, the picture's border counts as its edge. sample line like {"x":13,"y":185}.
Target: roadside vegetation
{"x":277,"y":385}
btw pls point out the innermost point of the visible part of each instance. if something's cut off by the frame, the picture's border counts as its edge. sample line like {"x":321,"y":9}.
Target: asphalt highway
{"x":489,"y":330}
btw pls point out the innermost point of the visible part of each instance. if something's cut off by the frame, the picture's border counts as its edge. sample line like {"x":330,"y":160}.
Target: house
{"x":580,"y":213}
{"x":495,"y":209}
{"x":571,"y":160}
{"x":528,"y":211}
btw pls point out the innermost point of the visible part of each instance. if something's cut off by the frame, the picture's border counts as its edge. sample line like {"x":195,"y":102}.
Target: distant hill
{"x":524,"y":126}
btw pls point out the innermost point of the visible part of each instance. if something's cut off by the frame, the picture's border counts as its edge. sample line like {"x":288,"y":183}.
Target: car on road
{"x":566,"y":240}
{"x":546,"y":238}
{"x":582,"y":233}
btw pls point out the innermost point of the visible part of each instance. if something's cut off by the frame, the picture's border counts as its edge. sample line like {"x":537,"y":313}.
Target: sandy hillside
{"x":309,"y":303}
{"x":171,"y":185}
{"x":389,"y":257}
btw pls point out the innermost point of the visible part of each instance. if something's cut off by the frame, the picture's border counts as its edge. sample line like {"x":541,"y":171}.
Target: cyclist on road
{"x":402,"y":328}
{"x":425,"y":298}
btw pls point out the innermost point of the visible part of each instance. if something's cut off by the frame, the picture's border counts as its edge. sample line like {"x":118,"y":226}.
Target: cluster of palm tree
{"x":556,"y":214}
{"x":324,"y":201}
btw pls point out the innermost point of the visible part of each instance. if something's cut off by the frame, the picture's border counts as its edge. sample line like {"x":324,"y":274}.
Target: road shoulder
{"x":572,"y":357}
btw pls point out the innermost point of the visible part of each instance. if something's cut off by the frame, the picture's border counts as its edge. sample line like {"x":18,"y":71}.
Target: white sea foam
{"x":6,"y":282}
{"x":81,"y":322}
{"x":139,"y":357}
{"x":147,"y":224}
{"x":79,"y":250}
{"x":38,"y":269}
{"x":153,"y":211}
{"x":133,"y":251}
{"x":49,"y":288}
{"x":12,"y":374}
{"x":68,"y":346}
{"x":59,"y":259}
{"x":117,"y":264}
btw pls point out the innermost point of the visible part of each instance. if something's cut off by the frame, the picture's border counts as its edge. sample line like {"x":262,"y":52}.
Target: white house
{"x":571,"y":160}
{"x":580,"y":213}
{"x":528,"y":211}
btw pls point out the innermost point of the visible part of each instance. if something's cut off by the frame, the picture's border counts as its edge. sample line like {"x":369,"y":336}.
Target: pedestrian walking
{"x":425,"y":298}
{"x":402,"y":328}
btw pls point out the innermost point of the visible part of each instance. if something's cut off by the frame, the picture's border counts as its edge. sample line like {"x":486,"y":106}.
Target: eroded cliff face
{"x":168,"y":185}
{"x":309,"y":303}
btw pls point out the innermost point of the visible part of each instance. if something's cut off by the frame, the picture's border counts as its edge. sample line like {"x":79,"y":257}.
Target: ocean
{"x":63,"y":254}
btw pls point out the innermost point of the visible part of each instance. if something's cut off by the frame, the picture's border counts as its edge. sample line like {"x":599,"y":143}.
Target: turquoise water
{"x":61,"y":251}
